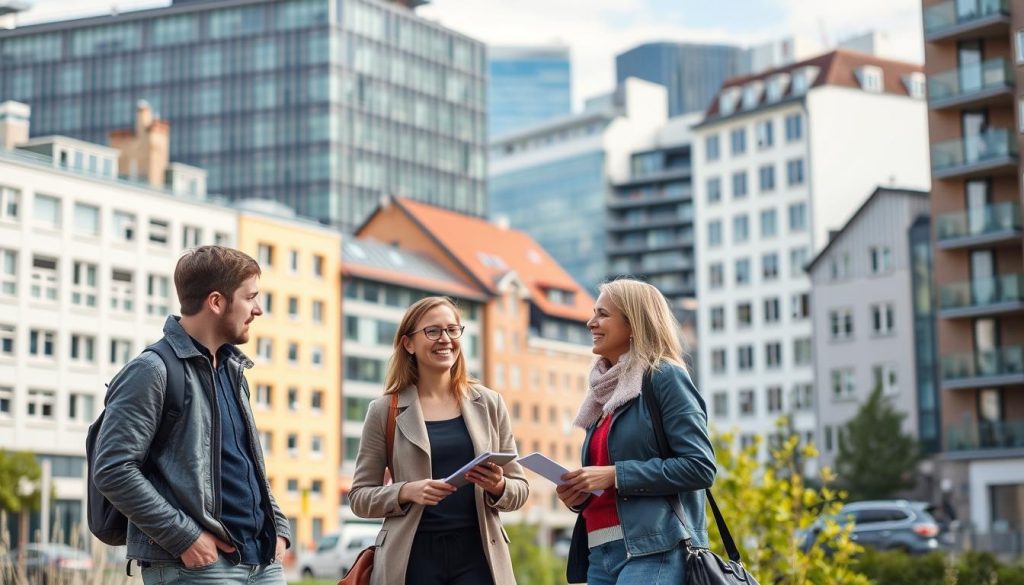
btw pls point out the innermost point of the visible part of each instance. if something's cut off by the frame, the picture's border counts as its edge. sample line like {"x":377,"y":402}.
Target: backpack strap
{"x":174,"y":393}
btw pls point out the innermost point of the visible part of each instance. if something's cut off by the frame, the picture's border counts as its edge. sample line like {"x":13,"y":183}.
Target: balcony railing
{"x":980,"y":435}
{"x":946,"y":17}
{"x":982,"y":292}
{"x":991,"y":220}
{"x":984,"y":366}
{"x":958,"y":156}
{"x":970,"y":81}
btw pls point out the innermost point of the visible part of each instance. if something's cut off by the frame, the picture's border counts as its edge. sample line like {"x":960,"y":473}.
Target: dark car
{"x":53,"y":563}
{"x":886,"y":525}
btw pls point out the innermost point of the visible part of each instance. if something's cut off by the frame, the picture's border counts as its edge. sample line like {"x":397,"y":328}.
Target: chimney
{"x":146,"y":150}
{"x":14,"y":124}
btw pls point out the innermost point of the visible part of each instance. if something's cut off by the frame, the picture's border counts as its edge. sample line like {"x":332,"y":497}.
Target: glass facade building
{"x":925,"y":339}
{"x":692,"y":73}
{"x":527,"y":85}
{"x":324,"y":105}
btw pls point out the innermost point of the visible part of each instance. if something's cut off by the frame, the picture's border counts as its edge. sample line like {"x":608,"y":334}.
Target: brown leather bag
{"x":360,"y":572}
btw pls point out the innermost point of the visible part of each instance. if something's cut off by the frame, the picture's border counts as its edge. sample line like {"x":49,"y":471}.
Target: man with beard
{"x":197,"y":500}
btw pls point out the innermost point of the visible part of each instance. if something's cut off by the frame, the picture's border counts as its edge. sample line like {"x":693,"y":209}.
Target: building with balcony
{"x":323,"y":105}
{"x":973,"y":56}
{"x":782,"y":158}
{"x":864,"y":319}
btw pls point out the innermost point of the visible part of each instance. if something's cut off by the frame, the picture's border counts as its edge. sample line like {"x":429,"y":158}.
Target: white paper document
{"x":547,"y":469}
{"x":458,"y":479}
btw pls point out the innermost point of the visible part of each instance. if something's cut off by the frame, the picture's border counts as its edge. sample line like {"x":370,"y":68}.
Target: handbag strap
{"x":392,"y":422}
{"x":647,"y":392}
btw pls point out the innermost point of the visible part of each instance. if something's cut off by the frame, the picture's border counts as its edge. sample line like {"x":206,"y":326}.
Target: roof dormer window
{"x":752,"y":94}
{"x":870,"y":78}
{"x":777,"y":86}
{"x":727,"y":100}
{"x":915,"y":84}
{"x":803,"y":78}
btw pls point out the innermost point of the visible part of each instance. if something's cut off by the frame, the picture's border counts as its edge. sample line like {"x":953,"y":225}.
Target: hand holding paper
{"x":458,"y":479}
{"x":547,"y":469}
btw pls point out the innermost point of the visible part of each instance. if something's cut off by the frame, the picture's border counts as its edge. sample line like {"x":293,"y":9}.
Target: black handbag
{"x":703,"y":567}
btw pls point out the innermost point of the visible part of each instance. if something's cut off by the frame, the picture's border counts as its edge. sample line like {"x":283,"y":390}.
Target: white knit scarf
{"x":610,"y":387}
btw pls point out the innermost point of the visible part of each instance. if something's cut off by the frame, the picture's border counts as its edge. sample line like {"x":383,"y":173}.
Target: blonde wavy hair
{"x":655,"y":328}
{"x":403,"y":370}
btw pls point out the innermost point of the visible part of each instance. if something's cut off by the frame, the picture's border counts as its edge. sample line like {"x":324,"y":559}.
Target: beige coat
{"x":490,"y":430}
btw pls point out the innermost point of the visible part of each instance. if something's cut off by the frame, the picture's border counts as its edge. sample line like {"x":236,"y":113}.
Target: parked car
{"x":336,"y":551}
{"x":53,"y":563}
{"x":885,"y":525}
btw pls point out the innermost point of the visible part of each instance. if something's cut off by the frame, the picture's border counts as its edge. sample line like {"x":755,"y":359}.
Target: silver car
{"x":886,"y":525}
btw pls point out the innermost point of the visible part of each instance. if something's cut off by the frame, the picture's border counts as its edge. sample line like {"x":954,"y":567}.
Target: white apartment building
{"x":780,"y":158}
{"x":863,"y":311}
{"x":86,"y":281}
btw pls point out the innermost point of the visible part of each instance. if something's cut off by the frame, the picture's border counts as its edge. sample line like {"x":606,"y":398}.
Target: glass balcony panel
{"x":993,"y":144}
{"x":957,"y":12}
{"x":972,"y":78}
{"x":991,"y":219}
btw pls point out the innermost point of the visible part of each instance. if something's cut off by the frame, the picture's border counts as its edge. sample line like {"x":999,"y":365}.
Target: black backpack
{"x":105,"y":521}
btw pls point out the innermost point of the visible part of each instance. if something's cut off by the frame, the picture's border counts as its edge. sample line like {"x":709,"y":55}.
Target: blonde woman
{"x":629,"y":534}
{"x":434,"y":533}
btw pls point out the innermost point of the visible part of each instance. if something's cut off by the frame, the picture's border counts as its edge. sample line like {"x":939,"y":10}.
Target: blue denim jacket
{"x":644,"y":479}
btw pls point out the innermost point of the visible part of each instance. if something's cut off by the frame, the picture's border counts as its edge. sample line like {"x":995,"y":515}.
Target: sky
{"x":596,"y":30}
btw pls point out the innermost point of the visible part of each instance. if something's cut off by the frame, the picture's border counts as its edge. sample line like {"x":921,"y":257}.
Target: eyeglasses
{"x":433,"y":332}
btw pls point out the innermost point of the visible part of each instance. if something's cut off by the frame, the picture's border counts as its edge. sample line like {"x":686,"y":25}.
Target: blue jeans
{"x":221,"y":571}
{"x":609,"y":566}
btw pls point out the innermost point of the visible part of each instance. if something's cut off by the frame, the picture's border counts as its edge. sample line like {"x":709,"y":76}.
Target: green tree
{"x":532,"y":564}
{"x":876,"y":459}
{"x":769,"y":508}
{"x":20,"y":494}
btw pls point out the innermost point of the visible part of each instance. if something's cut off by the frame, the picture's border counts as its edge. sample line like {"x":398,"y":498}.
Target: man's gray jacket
{"x":170,"y":493}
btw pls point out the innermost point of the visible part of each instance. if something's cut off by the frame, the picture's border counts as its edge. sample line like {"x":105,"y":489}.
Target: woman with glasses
{"x":435,"y":533}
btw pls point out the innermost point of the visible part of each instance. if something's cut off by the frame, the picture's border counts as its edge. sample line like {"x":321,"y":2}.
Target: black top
{"x":450,"y":448}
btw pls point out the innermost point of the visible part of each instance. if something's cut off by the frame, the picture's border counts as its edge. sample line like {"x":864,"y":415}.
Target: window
{"x":293,"y":353}
{"x":122,"y":293}
{"x":87,"y":219}
{"x":124,"y":226}
{"x":10,"y":199}
{"x":267,"y":442}
{"x":1020,"y":46}
{"x":46,"y":211}
{"x":842,"y":384}
{"x":797,"y":261}
{"x":316,"y":356}
{"x":881,"y":259}
{"x":882,"y":319}
{"x":159,"y":230}
{"x":717,"y":318}
{"x":738,"y":141}
{"x":120,"y":351}
{"x":739,"y":185}
{"x":720,"y":404}
{"x":773,"y":399}
{"x":718,"y":358}
{"x":293,"y":399}
{"x":264,"y":348}
{"x":714,"y":233}
{"x":221,"y":239}
{"x":744,"y":315}
{"x":771,"y":310}
{"x":716,"y":275}
{"x":191,"y":236}
{"x":316,"y":450}
{"x":8,"y":273}
{"x":829,"y":444}
{"x":740,"y":229}
{"x":264,"y":396}
{"x":801,"y":305}
{"x":773,"y":355}
{"x":803,"y":397}
{"x":293,"y":451}
{"x":40,"y":404}
{"x":293,"y":261}
{"x":83,"y":348}
{"x":318,"y":312}
{"x":318,"y":266}
{"x":770,"y":266}
{"x":265,"y":255}
{"x":158,"y":295}
{"x":714,"y":190}
{"x":44,"y":279}
{"x":842,"y":323}
{"x":745,"y":357}
{"x":802,"y":351}
{"x":794,"y":127}
{"x":747,"y":403}
{"x":268,"y":301}
{"x":316,"y":401}
{"x":743,"y":271}
{"x":769,"y":223}
{"x":711,"y":148}
{"x":41,"y":343}
{"x":795,"y":172}
{"x":798,"y":217}
{"x":355,"y":408}
{"x":870,"y":78}
{"x":884,"y":376}
{"x":839,"y":268}
{"x":8,"y":335}
{"x":6,"y":400}
{"x":293,"y":308}
{"x":766,"y":178}
{"x":765,"y":131}
{"x":81,"y":408}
